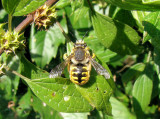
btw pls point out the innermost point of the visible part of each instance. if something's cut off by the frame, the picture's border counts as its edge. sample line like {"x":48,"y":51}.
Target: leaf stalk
{"x":16,"y":73}
{"x":10,"y":23}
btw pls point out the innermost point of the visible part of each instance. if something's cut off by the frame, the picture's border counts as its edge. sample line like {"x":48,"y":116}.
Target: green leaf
{"x":62,"y":3}
{"x":44,"y":45}
{"x":133,"y":72}
{"x":65,"y":96}
{"x":24,"y":108}
{"x":10,"y":5}
{"x":147,"y":5}
{"x":3,"y":13}
{"x":122,"y":97}
{"x":9,"y":82}
{"x":139,"y":16}
{"x":156,"y":87}
{"x":96,"y":114}
{"x":142,"y":91}
{"x":81,"y":18}
{"x":31,"y":71}
{"x":44,"y":110}
{"x":119,"y":110}
{"x":60,"y":94}
{"x":104,"y":54}
{"x":27,"y":6}
{"x":121,"y":15}
{"x":75,"y":115}
{"x":70,"y":46}
{"x":97,"y":91}
{"x":115,"y":35}
{"x":157,"y":69}
{"x":97,"y":85}
{"x":152,"y":27}
{"x":75,"y":4}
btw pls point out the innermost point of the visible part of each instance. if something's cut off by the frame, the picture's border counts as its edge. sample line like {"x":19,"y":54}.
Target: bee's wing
{"x":57,"y":71}
{"x":99,"y":69}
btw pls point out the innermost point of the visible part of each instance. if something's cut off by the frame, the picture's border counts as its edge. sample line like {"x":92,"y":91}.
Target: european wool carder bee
{"x":79,"y":65}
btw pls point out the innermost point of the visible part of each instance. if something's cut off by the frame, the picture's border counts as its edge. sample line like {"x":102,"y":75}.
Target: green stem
{"x":90,"y":5}
{"x":1,"y":51}
{"x":10,"y":23}
{"x":24,"y":24}
{"x":149,"y":56}
{"x":16,"y":73}
{"x":50,"y":2}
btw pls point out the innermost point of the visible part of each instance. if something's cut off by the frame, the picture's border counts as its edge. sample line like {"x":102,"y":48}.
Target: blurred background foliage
{"x":124,"y":34}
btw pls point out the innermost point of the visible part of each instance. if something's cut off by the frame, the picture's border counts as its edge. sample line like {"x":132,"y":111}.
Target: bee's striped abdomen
{"x":79,"y":74}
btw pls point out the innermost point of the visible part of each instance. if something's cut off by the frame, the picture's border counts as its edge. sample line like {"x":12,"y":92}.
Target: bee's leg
{"x":65,"y":56}
{"x":93,"y":55}
{"x":87,"y":48}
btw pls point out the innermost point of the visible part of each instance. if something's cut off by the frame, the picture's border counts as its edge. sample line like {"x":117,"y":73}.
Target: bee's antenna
{"x":72,"y":35}
{"x":85,"y":35}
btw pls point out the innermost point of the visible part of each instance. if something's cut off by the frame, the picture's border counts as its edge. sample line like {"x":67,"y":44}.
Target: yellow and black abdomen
{"x":79,"y":74}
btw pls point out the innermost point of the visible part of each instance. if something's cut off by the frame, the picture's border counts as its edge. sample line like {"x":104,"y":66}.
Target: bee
{"x":79,"y":65}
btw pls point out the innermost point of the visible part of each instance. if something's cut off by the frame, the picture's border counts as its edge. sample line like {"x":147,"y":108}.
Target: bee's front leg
{"x":93,"y":55}
{"x":65,"y":56}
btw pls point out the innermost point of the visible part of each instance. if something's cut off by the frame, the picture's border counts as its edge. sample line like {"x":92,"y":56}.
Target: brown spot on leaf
{"x":53,"y":94}
{"x":11,"y":104}
{"x":31,"y":99}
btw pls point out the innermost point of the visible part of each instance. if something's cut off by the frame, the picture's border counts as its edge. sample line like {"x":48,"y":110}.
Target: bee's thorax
{"x":79,"y":54}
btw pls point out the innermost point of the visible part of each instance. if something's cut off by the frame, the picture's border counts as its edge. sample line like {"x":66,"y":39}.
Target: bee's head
{"x":80,"y":44}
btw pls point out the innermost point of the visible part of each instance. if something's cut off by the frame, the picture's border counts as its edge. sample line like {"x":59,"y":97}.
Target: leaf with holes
{"x":44,"y":110}
{"x":58,"y":93}
{"x":65,"y":96}
{"x":97,"y":92}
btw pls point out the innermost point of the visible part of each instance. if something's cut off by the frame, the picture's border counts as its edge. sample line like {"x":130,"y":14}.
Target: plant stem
{"x":1,"y":51}
{"x":16,"y":73}
{"x":65,"y":35}
{"x":24,"y":23}
{"x":10,"y":23}
{"x":149,"y":56}
{"x":50,"y":2}
{"x":90,"y":5}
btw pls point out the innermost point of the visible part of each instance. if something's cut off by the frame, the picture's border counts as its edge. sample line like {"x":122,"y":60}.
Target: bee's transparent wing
{"x":57,"y":71}
{"x":99,"y":69}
